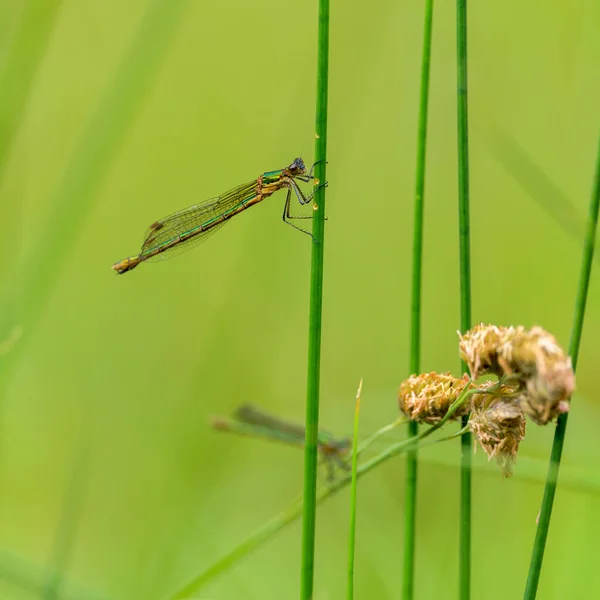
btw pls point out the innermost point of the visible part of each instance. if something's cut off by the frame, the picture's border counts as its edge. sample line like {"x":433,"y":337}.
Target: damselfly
{"x":251,"y":421}
{"x":185,"y":229}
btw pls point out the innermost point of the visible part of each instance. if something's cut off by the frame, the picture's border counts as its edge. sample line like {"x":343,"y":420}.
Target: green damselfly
{"x":185,"y":229}
{"x":253,"y":422}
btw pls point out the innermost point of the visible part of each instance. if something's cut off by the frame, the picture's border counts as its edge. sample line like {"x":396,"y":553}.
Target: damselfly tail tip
{"x":126,"y":264}
{"x":217,"y":422}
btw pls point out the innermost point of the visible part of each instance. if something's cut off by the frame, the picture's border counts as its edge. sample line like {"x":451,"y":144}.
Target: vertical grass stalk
{"x":315,"y":315}
{"x":290,"y":514}
{"x":541,"y":535}
{"x":30,"y":579}
{"x":465,"y":286}
{"x":21,"y":66}
{"x":18,"y":74}
{"x":65,"y":536}
{"x":415,"y":312}
{"x":353,"y":482}
{"x":94,"y":154}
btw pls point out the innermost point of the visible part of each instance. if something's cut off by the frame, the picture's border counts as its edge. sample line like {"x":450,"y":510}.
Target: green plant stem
{"x":522,"y":167}
{"x":296,"y":509}
{"x":579,"y":481}
{"x":22,"y":62}
{"x":315,"y":315}
{"x":465,"y":287}
{"x":379,"y":433}
{"x":30,"y":577}
{"x":71,"y":512}
{"x":94,"y":154}
{"x":410,"y":501}
{"x":18,"y":73}
{"x":353,"y":481}
{"x":541,"y":535}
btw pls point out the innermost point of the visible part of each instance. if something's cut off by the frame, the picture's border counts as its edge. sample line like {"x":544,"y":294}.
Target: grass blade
{"x":537,"y":557}
{"x":465,"y":288}
{"x":92,"y":158}
{"x":32,"y":578}
{"x":315,"y":315}
{"x":521,"y":166}
{"x":410,"y":500}
{"x":531,"y":470}
{"x":295,"y":510}
{"x":71,"y":512}
{"x":17,"y":77}
{"x":352,"y":536}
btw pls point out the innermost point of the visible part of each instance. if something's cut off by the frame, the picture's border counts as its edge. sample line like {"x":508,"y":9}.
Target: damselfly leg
{"x":303,"y":200}
{"x":287,"y":215}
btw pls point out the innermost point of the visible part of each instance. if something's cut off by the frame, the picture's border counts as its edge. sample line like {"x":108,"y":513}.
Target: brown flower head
{"x":498,"y":424}
{"x":479,"y":348}
{"x":548,"y":381}
{"x":427,"y":397}
{"x":525,"y":352}
{"x":530,"y":359}
{"x":490,"y":390}
{"x":543,"y":405}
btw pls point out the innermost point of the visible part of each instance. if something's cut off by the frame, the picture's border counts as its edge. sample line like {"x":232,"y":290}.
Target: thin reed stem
{"x":541,"y":535}
{"x":94,"y":153}
{"x":67,"y":527}
{"x":410,"y":501}
{"x":291,"y":513}
{"x":353,"y":482}
{"x":465,"y":287}
{"x":20,"y":67}
{"x":30,"y":580}
{"x":316,"y":301}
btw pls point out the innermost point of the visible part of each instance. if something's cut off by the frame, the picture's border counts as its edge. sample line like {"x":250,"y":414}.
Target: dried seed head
{"x":525,"y":352}
{"x":535,"y":357}
{"x":530,"y":358}
{"x":489,"y":391}
{"x":479,"y":348}
{"x":427,"y":397}
{"x":542,"y":405}
{"x":499,"y":427}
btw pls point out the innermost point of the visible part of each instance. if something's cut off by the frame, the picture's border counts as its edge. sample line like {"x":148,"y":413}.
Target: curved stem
{"x":541,"y":533}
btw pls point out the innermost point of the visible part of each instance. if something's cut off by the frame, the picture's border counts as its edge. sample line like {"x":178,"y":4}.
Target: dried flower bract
{"x":479,"y":348}
{"x":427,"y":397}
{"x":531,"y":359}
{"x":499,"y":426}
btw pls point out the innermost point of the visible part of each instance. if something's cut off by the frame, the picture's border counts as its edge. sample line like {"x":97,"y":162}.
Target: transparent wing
{"x":178,"y":223}
{"x":247,"y":413}
{"x":187,"y":245}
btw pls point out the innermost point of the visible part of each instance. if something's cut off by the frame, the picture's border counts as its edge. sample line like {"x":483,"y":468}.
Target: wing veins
{"x":184,"y":220}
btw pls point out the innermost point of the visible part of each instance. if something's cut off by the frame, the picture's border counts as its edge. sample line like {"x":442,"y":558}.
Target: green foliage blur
{"x":114,"y":114}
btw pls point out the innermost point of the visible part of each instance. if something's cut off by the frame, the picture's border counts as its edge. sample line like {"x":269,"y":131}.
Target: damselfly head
{"x":297,"y":167}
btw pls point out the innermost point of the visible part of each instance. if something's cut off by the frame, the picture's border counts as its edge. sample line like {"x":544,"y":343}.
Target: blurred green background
{"x":115,"y":114}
